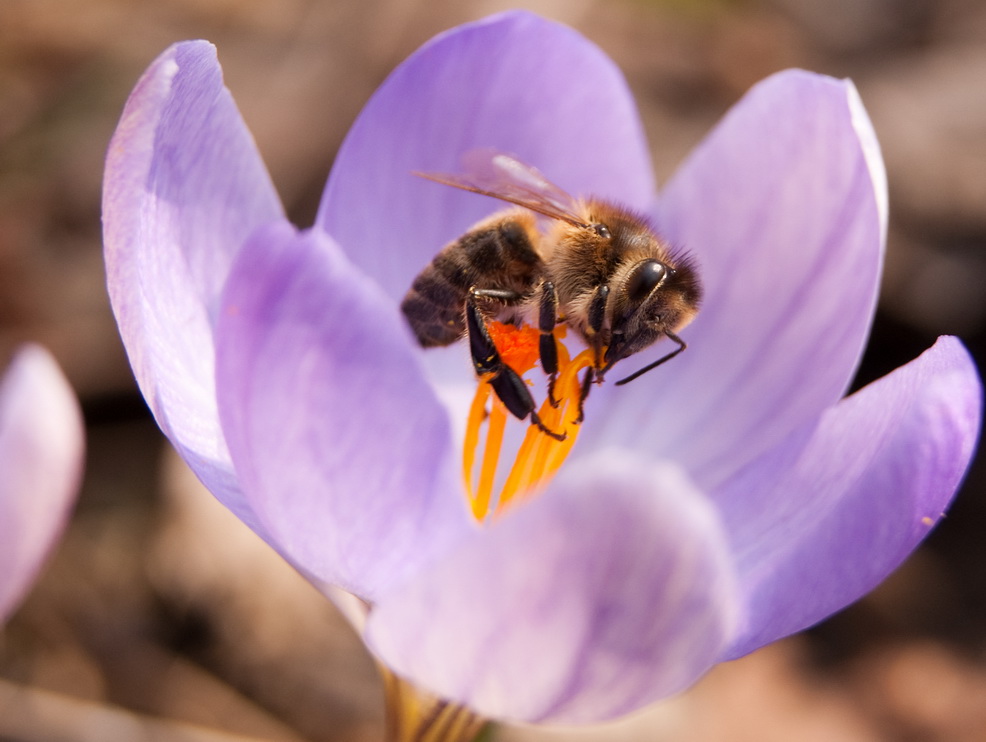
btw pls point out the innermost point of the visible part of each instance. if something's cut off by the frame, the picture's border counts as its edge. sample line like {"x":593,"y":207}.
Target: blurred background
{"x":161,"y":617}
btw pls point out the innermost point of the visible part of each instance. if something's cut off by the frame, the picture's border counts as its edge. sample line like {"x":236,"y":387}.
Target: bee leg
{"x":547,"y":345}
{"x":505,"y":295}
{"x":597,"y":315}
{"x":507,"y":383}
{"x":584,"y":393}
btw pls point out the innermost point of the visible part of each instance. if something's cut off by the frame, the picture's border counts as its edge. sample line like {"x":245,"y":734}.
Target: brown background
{"x":161,"y":618}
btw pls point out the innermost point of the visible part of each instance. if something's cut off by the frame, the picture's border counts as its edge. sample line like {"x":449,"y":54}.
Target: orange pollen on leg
{"x":539,"y":455}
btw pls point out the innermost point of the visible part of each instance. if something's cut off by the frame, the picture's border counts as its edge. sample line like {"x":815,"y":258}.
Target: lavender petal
{"x":513,"y":82}
{"x":341,"y":446}
{"x":41,"y":452}
{"x":609,"y":591}
{"x":184,"y":186}
{"x":784,"y":208}
{"x":823,"y":518}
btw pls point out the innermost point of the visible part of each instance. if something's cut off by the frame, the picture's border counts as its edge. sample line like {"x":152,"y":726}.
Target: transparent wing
{"x":498,"y":175}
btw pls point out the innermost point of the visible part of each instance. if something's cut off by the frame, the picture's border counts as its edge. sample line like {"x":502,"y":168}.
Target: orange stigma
{"x":539,"y":455}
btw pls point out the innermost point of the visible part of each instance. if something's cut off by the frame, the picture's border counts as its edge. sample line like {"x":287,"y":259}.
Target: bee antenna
{"x":658,"y":362}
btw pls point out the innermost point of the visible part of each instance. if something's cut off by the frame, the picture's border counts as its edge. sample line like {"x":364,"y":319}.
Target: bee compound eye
{"x":602,"y":230}
{"x":644,"y":278}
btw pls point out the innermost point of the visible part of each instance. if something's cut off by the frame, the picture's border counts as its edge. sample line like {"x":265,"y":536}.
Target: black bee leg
{"x":507,"y":383}
{"x":584,"y":393}
{"x":547,"y":345}
{"x":597,"y":315}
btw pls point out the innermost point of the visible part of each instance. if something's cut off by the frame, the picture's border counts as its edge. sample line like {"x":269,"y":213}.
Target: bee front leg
{"x":596,"y":319}
{"x":507,"y":383}
{"x":597,"y":316}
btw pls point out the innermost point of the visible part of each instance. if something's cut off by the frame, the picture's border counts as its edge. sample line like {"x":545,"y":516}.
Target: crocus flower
{"x":724,"y":500}
{"x":41,"y":448}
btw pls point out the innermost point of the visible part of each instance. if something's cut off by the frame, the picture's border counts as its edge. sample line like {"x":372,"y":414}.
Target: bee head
{"x":651,"y":298}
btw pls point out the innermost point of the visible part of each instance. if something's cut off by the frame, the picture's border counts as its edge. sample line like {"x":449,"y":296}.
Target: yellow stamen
{"x":570,"y":381}
{"x":415,"y":715}
{"x":539,"y":455}
{"x":523,"y":473}
{"x":497,"y":423}
{"x":477,"y":412}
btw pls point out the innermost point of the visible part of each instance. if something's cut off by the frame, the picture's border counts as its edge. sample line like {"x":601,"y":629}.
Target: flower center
{"x":539,"y":455}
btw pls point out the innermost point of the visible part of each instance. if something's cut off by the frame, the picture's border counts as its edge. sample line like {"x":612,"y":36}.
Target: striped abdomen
{"x":499,"y":253}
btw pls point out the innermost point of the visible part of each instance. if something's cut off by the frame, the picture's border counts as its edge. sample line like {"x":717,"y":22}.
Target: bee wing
{"x":498,"y":175}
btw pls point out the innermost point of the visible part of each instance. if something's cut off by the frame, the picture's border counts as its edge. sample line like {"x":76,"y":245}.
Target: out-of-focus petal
{"x":184,"y":187}
{"x":514,"y":82}
{"x":609,"y":591}
{"x":41,"y":450}
{"x":342,"y":449}
{"x":784,"y":207}
{"x":823,"y":518}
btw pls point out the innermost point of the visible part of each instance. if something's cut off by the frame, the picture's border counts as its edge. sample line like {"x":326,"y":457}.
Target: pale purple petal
{"x":342,"y":448}
{"x":609,"y":591}
{"x":41,"y":451}
{"x":184,"y":186}
{"x":514,"y":82}
{"x":784,"y":207}
{"x":826,"y":516}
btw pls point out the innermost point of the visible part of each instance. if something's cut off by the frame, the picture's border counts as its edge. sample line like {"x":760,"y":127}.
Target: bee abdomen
{"x":433,"y":307}
{"x":497,"y":254}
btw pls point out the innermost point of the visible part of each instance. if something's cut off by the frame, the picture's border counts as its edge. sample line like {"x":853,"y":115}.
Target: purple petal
{"x":342,"y":449}
{"x":184,"y":187}
{"x":609,"y":591}
{"x":784,"y":207}
{"x":826,"y":516}
{"x":41,"y":451}
{"x":514,"y":82}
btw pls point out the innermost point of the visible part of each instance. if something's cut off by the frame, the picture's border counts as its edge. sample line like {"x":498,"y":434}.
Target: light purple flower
{"x":41,"y":449}
{"x":719,"y":503}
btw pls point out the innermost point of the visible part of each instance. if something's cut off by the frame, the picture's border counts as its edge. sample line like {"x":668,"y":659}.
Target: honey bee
{"x":599,"y":268}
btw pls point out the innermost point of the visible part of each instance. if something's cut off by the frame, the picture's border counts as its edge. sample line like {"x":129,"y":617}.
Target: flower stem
{"x":414,"y":715}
